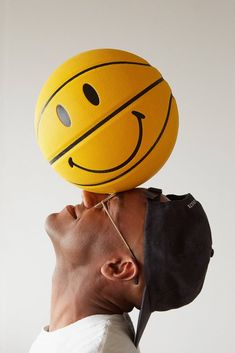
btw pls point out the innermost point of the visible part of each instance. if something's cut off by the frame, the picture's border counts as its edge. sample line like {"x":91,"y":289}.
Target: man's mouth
{"x":71,"y":211}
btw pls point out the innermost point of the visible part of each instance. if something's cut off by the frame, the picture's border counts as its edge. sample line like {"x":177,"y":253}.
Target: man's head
{"x":87,"y":243}
{"x":159,"y":264}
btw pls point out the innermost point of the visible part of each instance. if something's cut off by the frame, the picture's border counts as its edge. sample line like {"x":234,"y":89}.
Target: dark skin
{"x":95,"y":272}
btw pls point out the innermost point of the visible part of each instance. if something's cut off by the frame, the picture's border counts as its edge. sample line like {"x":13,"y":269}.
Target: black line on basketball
{"x":81,"y":73}
{"x":146,"y":154}
{"x":107,"y":118}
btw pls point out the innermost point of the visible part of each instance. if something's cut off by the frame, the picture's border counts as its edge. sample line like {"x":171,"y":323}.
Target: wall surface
{"x":192,"y":44}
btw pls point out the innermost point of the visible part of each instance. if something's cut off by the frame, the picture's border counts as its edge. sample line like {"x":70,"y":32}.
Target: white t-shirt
{"x":93,"y":334}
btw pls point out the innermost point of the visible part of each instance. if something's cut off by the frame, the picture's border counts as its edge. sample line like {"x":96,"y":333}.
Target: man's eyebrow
{"x":119,"y":199}
{"x":119,"y":202}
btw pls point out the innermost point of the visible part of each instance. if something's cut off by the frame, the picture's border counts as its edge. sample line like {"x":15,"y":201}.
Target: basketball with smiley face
{"x":106,"y":120}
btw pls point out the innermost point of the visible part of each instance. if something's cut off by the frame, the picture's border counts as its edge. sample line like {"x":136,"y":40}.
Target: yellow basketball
{"x":106,"y":120}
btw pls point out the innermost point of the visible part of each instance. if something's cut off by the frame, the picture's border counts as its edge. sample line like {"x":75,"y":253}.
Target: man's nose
{"x":90,"y":199}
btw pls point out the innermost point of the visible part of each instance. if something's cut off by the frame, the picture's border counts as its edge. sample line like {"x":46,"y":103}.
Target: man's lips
{"x":71,"y":211}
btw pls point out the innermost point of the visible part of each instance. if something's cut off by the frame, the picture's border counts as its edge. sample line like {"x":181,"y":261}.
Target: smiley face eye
{"x":63,"y":115}
{"x":91,"y":94}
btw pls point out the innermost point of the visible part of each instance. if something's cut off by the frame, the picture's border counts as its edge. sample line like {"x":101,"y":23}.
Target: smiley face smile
{"x":139,"y":117}
{"x":158,"y":138}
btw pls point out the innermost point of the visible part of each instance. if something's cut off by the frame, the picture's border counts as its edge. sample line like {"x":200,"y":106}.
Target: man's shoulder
{"x":118,"y":335}
{"x":93,"y":334}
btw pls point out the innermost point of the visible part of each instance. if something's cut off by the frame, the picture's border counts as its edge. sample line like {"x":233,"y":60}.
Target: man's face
{"x":80,"y":233}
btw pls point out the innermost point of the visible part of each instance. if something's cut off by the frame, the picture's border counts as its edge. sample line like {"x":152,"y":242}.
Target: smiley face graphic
{"x":106,"y":120}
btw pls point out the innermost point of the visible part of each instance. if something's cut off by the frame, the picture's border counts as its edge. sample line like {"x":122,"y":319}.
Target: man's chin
{"x":49,"y":224}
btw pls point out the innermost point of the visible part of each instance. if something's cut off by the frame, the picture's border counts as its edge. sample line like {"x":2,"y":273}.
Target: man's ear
{"x":123,"y":269}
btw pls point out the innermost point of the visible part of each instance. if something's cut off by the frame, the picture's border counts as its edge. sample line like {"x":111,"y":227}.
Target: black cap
{"x":177,"y":250}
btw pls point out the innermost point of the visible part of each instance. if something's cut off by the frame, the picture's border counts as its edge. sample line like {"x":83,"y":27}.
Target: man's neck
{"x":73,"y":300}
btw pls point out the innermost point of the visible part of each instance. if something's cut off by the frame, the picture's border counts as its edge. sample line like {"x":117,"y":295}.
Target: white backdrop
{"x":192,"y":44}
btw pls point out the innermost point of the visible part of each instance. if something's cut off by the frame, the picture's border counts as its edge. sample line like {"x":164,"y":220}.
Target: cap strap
{"x":153,"y":193}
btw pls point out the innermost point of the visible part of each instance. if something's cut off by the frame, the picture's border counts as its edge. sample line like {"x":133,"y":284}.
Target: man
{"x":137,"y":248}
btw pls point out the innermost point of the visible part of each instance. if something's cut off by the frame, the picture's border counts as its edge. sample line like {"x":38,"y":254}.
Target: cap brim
{"x":143,"y":318}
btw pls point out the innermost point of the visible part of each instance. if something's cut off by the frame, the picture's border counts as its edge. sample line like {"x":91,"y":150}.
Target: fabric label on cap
{"x":192,"y":203}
